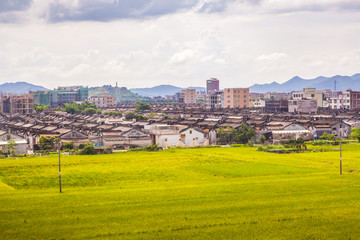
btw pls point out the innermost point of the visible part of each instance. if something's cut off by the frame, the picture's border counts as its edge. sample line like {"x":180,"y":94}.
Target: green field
{"x":215,"y":193}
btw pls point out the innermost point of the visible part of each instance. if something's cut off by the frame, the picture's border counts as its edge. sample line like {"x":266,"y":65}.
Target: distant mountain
{"x":19,"y":87}
{"x":121,"y":94}
{"x":161,"y":90}
{"x":297,"y":83}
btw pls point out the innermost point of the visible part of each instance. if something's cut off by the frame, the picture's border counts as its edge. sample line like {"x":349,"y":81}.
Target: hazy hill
{"x":161,"y":90}
{"x":297,"y":83}
{"x":121,"y":94}
{"x":19,"y":87}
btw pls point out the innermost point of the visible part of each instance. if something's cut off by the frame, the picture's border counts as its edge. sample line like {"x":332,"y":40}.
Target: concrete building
{"x":354,"y":100}
{"x":276,"y":106}
{"x":61,"y":95}
{"x":256,"y":102}
{"x":212,"y":85}
{"x":102,"y":101}
{"x":302,"y":105}
{"x":277,"y":96}
{"x":340,"y":100}
{"x":188,"y":96}
{"x":236,"y":97}
{"x":17,"y":103}
{"x":309,"y":93}
{"x":215,"y":100}
{"x":20,"y":142}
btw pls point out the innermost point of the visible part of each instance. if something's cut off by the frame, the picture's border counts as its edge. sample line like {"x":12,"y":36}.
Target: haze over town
{"x":183,"y":43}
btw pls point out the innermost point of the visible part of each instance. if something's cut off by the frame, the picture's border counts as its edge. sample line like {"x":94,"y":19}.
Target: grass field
{"x":218,"y":193}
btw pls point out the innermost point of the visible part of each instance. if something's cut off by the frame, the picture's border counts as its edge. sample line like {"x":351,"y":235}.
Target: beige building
{"x":309,"y":93}
{"x":188,"y":96}
{"x":103,"y":101}
{"x":255,"y":102}
{"x":236,"y":97}
{"x":14,"y":103}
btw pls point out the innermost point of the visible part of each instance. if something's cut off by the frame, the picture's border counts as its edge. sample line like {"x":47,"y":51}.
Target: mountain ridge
{"x":20,"y":87}
{"x":297,"y":83}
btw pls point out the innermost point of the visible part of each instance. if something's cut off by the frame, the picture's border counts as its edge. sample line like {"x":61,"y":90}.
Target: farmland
{"x":213,"y":193}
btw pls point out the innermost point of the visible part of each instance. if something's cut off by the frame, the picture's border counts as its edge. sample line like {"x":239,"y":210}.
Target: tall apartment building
{"x":236,"y":97}
{"x":212,"y":85}
{"x":14,"y":103}
{"x":188,"y":96}
{"x":103,"y":101}
{"x":61,"y":95}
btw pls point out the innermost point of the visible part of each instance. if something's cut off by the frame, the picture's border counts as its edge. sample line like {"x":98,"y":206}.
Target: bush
{"x":151,"y":148}
{"x":327,"y":136}
{"x":68,"y":146}
{"x":88,"y":149}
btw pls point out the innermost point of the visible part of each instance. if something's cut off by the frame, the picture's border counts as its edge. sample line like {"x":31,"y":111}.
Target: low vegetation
{"x":212,"y":193}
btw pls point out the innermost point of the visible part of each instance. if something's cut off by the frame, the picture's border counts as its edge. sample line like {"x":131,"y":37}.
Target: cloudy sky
{"x":142,"y":43}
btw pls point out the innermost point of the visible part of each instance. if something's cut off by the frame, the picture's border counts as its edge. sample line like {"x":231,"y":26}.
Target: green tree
{"x":89,"y":111}
{"x":47,"y":143}
{"x":11,"y":146}
{"x":40,"y":108}
{"x":88,"y":149}
{"x":132,"y":115}
{"x":243,"y":134}
{"x":140,"y":106}
{"x":355,"y":134}
{"x":68,"y":145}
{"x":327,"y":136}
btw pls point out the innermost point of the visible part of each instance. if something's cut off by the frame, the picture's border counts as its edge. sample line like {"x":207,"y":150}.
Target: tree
{"x":327,"y":136}
{"x":47,"y":143}
{"x":132,"y":115}
{"x":11,"y":146}
{"x":88,"y":149}
{"x":68,"y":145}
{"x":140,"y":106}
{"x":89,"y":111}
{"x":300,"y":144}
{"x":355,"y":134}
{"x":40,"y":108}
{"x":243,"y":134}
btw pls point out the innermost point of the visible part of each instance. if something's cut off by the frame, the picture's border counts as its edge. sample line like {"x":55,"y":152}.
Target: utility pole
{"x":340,"y":156}
{"x":59,"y":167}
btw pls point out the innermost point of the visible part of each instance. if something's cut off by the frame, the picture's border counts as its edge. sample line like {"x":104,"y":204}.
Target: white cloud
{"x":271,"y":57}
{"x":184,"y":48}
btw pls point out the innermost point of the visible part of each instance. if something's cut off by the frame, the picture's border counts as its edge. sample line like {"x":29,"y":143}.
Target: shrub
{"x":87,"y":150}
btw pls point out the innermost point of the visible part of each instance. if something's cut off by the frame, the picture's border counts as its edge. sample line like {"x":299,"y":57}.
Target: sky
{"x":144,"y":43}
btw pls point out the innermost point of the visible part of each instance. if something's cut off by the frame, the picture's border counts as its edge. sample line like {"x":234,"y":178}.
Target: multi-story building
{"x":276,"y":96}
{"x":354,"y":100}
{"x":255,"y":102}
{"x":276,"y":106}
{"x":215,"y":100}
{"x":188,"y":96}
{"x":236,"y":97}
{"x":61,"y":95}
{"x":309,"y":93}
{"x":14,"y":103}
{"x":102,"y":101}
{"x":212,"y":85}
{"x":303,"y":105}
{"x":340,"y":100}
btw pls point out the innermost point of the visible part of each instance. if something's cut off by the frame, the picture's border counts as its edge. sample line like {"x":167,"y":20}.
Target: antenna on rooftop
{"x":334,"y":85}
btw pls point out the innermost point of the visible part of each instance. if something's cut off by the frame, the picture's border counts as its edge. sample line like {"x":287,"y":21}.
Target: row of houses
{"x":178,"y":128}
